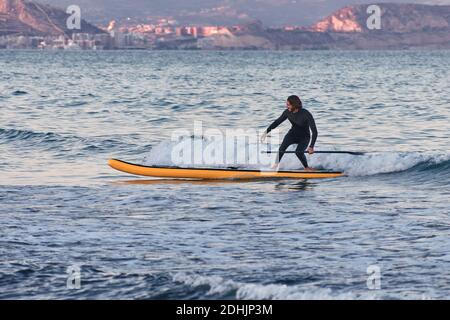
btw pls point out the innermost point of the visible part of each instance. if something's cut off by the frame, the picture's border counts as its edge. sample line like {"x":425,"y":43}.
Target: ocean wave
{"x":75,"y":103}
{"x":352,"y":165}
{"x":9,"y":135}
{"x":19,"y":93}
{"x":220,"y":287}
{"x":63,"y":144}
{"x":383,"y":163}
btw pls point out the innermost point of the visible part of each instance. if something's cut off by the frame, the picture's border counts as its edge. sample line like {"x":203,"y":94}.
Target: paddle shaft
{"x":339,"y":152}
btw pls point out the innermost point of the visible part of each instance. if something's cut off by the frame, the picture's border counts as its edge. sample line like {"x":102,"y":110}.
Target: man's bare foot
{"x":309,"y":169}
{"x":274,"y":167}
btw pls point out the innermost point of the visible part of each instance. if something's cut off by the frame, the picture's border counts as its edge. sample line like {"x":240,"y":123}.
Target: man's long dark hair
{"x":295,"y":102}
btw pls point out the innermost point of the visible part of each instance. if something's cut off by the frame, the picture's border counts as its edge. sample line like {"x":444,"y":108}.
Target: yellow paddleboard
{"x":212,"y":173}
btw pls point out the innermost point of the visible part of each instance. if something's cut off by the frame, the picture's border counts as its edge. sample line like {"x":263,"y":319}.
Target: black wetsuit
{"x":301,"y":121}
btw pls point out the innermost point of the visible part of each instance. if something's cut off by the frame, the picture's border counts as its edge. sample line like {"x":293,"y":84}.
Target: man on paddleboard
{"x":302,"y":121}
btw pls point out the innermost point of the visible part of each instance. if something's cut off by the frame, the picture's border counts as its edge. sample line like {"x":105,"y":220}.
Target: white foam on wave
{"x":159,"y":155}
{"x":375,"y":163}
{"x":365,"y":165}
{"x":248,"y":291}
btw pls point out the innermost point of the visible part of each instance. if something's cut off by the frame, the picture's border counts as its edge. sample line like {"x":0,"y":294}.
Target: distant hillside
{"x":272,"y":13}
{"x":19,"y":17}
{"x":394,"y":18}
{"x":403,"y":26}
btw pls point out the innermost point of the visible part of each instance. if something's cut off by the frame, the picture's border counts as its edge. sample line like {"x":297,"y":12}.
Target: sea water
{"x":71,"y":227}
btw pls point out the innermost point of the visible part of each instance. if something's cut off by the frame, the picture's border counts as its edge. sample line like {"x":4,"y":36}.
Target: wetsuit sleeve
{"x":277,"y":122}
{"x":312,"y":125}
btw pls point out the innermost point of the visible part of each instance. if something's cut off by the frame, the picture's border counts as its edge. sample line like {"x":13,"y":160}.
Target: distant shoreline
{"x":232,"y":50}
{"x":26,"y":25}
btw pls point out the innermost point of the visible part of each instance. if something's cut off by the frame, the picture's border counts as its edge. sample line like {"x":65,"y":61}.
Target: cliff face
{"x":403,"y":26}
{"x":21,"y":17}
{"x":344,"y":20}
{"x":399,"y":18}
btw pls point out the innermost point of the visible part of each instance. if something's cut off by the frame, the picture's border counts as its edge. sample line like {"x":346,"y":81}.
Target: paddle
{"x":340,"y":152}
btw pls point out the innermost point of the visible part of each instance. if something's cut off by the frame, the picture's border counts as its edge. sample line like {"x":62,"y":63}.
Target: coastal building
{"x":193,"y":31}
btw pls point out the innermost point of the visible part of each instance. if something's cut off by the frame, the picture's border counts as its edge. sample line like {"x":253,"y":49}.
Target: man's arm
{"x":312,"y":126}
{"x":277,"y":122}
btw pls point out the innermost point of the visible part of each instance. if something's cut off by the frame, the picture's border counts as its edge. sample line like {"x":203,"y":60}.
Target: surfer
{"x":302,"y":121}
